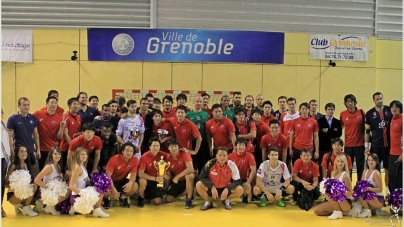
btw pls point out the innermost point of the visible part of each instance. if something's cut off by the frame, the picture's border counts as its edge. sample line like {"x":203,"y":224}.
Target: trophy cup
{"x":161,"y":168}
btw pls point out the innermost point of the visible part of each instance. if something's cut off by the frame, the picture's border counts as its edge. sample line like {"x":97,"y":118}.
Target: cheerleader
{"x":373,"y":176}
{"x":50,"y":172}
{"x":20,"y":164}
{"x":79,"y":181}
{"x":340,"y":172}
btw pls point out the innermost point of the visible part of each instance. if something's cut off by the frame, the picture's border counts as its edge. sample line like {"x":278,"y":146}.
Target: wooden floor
{"x":174,"y":214}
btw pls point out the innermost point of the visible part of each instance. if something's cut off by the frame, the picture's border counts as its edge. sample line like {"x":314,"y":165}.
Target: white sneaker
{"x":51,"y":210}
{"x":17,"y":208}
{"x":366,"y":213}
{"x":100,"y":213}
{"x":28,"y":211}
{"x":335,"y":215}
{"x":38,"y":206}
{"x":72,"y":211}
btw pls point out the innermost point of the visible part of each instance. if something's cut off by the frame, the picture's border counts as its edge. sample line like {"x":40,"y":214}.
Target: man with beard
{"x":282,"y":107}
{"x":236,"y":100}
{"x":313,"y":110}
{"x":87,"y":113}
{"x":109,"y":144}
{"x":146,"y":114}
{"x":168,"y":110}
{"x":227,"y":111}
{"x":106,"y":118}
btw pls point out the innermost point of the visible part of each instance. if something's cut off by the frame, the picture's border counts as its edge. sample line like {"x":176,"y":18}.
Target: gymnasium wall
{"x":298,"y":76}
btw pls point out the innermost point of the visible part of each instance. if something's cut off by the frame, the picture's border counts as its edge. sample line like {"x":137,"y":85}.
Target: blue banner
{"x":185,"y":45}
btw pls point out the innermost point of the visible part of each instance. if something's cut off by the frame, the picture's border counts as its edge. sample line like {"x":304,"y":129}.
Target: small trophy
{"x":161,"y":167}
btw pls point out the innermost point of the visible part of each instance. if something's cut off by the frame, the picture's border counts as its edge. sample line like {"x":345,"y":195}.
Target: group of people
{"x":226,"y":151}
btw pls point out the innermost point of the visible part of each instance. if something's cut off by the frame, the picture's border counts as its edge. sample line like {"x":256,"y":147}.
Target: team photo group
{"x":88,"y":156}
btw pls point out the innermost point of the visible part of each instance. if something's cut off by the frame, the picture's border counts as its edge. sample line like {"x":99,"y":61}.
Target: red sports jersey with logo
{"x":286,"y":122}
{"x":59,"y":110}
{"x":147,"y":162}
{"x":73,"y":125}
{"x":220,"y":131}
{"x":121,"y":168}
{"x":304,"y":129}
{"x":353,"y":125}
{"x":396,"y":135}
{"x":178,"y":165}
{"x":48,"y":127}
{"x":185,"y":132}
{"x":244,"y":162}
{"x":279,"y":142}
{"x":242,"y":128}
{"x":306,"y":172}
{"x":262,"y":130}
{"x":267,"y":119}
{"x":94,"y":144}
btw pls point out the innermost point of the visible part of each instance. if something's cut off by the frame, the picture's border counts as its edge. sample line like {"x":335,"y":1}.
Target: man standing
{"x":378,"y":123}
{"x":245,"y":129}
{"x":227,"y":111}
{"x":22,"y":128}
{"x":146,"y":114}
{"x":156,"y":104}
{"x":288,"y":117}
{"x":50,"y":128}
{"x":267,"y":112}
{"x":168,"y":110}
{"x":282,"y":107}
{"x":109,"y":144}
{"x":59,"y":110}
{"x":396,"y":143}
{"x":313,"y":110}
{"x":329,"y":128}
{"x":220,"y":129}
{"x":205,"y":107}
{"x":219,"y":179}
{"x":131,"y":128}
{"x":199,"y":117}
{"x":353,"y":120}
{"x":262,"y":130}
{"x":236,"y":100}
{"x":150,"y":99}
{"x":87,"y":113}
{"x":260,"y":103}
{"x":106,"y":118}
{"x":274,"y":139}
{"x":114,"y":108}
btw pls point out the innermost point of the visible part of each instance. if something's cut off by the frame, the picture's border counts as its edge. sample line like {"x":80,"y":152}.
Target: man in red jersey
{"x":246,"y":165}
{"x":245,"y":129}
{"x":219,"y":179}
{"x":274,"y":139}
{"x":262,"y":130}
{"x":327,"y":163}
{"x":161,"y":129}
{"x":50,"y":128}
{"x":168,"y":110}
{"x":59,"y":110}
{"x":118,"y":169}
{"x":353,"y":120}
{"x":267,"y":112}
{"x":302,"y":133}
{"x":180,"y":173}
{"x":148,"y":175}
{"x":396,"y":150}
{"x":220,"y":129}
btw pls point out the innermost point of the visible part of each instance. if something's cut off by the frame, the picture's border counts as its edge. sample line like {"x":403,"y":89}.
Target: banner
{"x":185,"y":45}
{"x":16,"y":45}
{"x":339,"y":47}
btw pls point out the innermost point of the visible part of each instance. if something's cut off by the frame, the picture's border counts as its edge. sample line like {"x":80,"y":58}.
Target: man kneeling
{"x":269,"y":177}
{"x":219,"y":178}
{"x":180,"y":173}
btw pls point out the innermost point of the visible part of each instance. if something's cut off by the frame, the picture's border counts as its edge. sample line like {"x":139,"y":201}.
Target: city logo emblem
{"x":123,"y":44}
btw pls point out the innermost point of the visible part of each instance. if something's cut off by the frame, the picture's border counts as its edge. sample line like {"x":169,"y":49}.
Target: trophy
{"x":161,"y":167}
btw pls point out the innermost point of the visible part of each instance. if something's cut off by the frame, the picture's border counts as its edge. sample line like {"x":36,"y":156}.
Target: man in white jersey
{"x":269,"y":180}
{"x":131,"y":129}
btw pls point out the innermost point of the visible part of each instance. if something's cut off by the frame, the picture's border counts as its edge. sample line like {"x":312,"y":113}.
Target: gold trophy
{"x":161,"y":167}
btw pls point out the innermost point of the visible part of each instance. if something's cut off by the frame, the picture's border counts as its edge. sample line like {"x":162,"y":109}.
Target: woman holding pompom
{"x":335,"y":208}
{"x":79,"y":180}
{"x":373,"y":176}
{"x":20,"y":164}
{"x":50,"y":172}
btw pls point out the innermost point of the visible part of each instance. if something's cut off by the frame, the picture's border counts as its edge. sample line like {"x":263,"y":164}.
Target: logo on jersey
{"x":53,"y":123}
{"x":41,"y":119}
{"x":227,"y":172}
{"x":309,"y":125}
{"x":184,"y":131}
{"x":180,"y":163}
{"x":259,"y":171}
{"x":298,"y":125}
{"x":243,"y":161}
{"x":374,"y":115}
{"x":382,"y":124}
{"x":213,"y":172}
{"x":31,"y":122}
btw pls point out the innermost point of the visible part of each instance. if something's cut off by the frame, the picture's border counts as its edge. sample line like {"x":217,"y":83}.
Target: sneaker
{"x":293,"y":203}
{"x":124,"y":202}
{"x":366,"y":213}
{"x":254,"y":198}
{"x":51,"y":210}
{"x":263,"y":202}
{"x":287,"y":198}
{"x":335,"y":215}
{"x":206,"y":206}
{"x":107,"y":203}
{"x":280,"y":203}
{"x":188,"y":203}
{"x":227,"y":205}
{"x":38,"y":206}
{"x":140,"y":201}
{"x":17,"y":208}
{"x":244,"y":200}
{"x":381,"y":212}
{"x":72,"y":211}
{"x":28,"y":211}
{"x":100,"y":213}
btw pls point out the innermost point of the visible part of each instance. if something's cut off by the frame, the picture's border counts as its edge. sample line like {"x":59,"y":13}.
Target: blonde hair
{"x":76,"y":158}
{"x":344,"y":159}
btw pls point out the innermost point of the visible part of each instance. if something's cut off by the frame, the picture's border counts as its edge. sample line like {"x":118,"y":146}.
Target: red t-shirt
{"x":267,"y":119}
{"x":220,"y":132}
{"x":73,"y":124}
{"x":179,"y":165}
{"x":286,"y":122}
{"x":262,"y":130}
{"x":147,"y":162}
{"x":353,"y":125}
{"x":243,"y":131}
{"x":48,"y":127}
{"x":209,"y":111}
{"x":304,"y":172}
{"x":168,"y":114}
{"x":279,"y":142}
{"x":396,"y":135}
{"x":59,"y":110}
{"x":120,"y":168}
{"x":304,"y":129}
{"x":243,"y":162}
{"x":94,"y":144}
{"x":163,"y":126}
{"x":330,"y":166}
{"x":184,"y":132}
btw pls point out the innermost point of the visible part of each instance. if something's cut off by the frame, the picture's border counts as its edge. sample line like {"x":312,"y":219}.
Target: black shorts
{"x":284,"y":194}
{"x":383,"y":153}
{"x":177,"y":189}
{"x":120,"y":183}
{"x":152,"y":191}
{"x":219,"y":191}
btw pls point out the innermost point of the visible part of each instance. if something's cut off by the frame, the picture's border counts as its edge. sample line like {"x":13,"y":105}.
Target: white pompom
{"x":355,"y":210}
{"x":88,"y":198}
{"x":56,"y":189}
{"x":20,"y":183}
{"x":322,"y":188}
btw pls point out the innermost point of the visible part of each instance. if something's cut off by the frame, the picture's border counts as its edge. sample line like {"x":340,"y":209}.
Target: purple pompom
{"x":361,"y":190}
{"x":64,"y":207}
{"x":335,"y":190}
{"x":101,"y":182}
{"x":396,"y":198}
